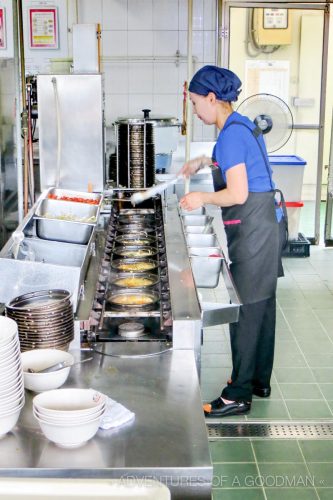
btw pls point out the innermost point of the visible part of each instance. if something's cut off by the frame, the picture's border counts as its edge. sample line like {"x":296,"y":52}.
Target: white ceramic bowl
{"x":38,"y":359}
{"x":10,"y":349}
{"x":10,"y":389}
{"x":69,"y":436}
{"x":8,"y":421}
{"x":78,"y":402}
{"x":8,"y":330}
{"x":11,"y":380}
{"x":69,"y":419}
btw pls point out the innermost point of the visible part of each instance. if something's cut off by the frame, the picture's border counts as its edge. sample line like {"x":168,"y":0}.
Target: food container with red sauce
{"x":74,"y":196}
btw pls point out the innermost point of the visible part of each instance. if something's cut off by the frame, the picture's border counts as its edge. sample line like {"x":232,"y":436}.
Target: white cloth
{"x":115,"y":415}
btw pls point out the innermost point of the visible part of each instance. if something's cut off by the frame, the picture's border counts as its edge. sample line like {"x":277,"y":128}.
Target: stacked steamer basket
{"x":11,"y":375}
{"x":135,"y":153}
{"x":44,"y":318}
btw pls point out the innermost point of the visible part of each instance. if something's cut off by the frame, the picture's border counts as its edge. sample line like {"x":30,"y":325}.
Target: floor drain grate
{"x":304,"y":430}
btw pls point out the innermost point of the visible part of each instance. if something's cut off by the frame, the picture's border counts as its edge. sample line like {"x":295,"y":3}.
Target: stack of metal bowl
{"x":44,"y":318}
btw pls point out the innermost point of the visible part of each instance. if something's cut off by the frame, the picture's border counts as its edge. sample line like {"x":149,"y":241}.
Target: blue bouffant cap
{"x":222,"y":82}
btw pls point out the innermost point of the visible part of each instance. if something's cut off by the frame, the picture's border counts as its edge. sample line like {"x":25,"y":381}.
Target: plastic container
{"x":288,"y":172}
{"x":297,"y":248}
{"x":294,"y":213}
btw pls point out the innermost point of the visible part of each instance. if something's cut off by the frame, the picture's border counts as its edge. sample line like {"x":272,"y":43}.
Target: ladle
{"x":58,"y":366}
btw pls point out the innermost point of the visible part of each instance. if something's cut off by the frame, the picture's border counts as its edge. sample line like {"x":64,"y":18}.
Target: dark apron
{"x":253,"y":243}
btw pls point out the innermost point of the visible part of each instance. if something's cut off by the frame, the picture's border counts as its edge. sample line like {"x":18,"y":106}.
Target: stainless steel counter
{"x":167,"y":441}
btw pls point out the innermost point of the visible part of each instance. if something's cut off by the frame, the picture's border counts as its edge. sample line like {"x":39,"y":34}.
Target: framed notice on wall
{"x":43,"y":28}
{"x":2,"y":28}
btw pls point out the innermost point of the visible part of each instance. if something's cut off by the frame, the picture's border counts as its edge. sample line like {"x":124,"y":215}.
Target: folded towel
{"x":115,"y":415}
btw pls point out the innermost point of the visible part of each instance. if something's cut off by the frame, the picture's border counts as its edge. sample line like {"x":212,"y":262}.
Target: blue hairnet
{"x":222,"y":82}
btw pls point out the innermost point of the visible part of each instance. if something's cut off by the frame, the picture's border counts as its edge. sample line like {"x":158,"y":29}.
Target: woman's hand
{"x":193,"y":200}
{"x":191,"y":167}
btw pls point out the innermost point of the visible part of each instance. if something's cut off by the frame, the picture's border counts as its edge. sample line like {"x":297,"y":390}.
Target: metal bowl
{"x":135,"y":252}
{"x":135,"y":229}
{"x":134,"y":299}
{"x":135,"y":240}
{"x":134,"y":280}
{"x":41,"y":299}
{"x":134,"y":265}
{"x":136,"y":219}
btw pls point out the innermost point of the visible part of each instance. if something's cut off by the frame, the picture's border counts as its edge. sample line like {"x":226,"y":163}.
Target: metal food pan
{"x":196,"y":220}
{"x":197,"y":211}
{"x":202,"y":240}
{"x":205,"y":251}
{"x":199,"y":229}
{"x":76,"y":194}
{"x":206,"y":271}
{"x":69,"y":231}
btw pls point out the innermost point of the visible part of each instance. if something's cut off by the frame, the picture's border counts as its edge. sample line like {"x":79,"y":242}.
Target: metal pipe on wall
{"x":189,"y":113}
{"x":18,"y":131}
{"x":24,"y":109}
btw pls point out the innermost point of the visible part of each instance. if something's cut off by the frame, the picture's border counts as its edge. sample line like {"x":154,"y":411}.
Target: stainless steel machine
{"x":132,"y":275}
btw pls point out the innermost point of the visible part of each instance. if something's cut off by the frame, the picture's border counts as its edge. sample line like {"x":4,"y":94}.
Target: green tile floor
{"x":302,"y":390}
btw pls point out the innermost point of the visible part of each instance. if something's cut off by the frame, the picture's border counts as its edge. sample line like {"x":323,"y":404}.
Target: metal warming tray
{"x":78,"y":230}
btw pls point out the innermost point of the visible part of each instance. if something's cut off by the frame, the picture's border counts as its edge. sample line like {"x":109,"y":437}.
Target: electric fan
{"x":272,"y":115}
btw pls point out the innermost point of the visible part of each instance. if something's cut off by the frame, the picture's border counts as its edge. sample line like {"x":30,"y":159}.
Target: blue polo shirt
{"x":236,"y":144}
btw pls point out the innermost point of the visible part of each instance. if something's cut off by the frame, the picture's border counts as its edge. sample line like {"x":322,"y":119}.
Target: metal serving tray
{"x":68,"y":231}
{"x":206,"y":269}
{"x":76,"y":194}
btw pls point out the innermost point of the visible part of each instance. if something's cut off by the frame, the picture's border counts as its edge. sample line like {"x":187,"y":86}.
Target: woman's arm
{"x":191,"y":167}
{"x":235,"y":193}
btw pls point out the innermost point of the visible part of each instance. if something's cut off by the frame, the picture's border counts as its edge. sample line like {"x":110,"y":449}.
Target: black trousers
{"x":252,"y":346}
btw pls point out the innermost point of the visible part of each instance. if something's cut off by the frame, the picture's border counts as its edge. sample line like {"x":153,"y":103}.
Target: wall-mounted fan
{"x":272,"y":115}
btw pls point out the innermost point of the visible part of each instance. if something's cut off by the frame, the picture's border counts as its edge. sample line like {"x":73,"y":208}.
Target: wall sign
{"x":2,"y":28}
{"x":43,"y":28}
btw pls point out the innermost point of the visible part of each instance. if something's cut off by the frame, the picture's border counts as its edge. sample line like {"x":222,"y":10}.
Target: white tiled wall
{"x":140,"y":39}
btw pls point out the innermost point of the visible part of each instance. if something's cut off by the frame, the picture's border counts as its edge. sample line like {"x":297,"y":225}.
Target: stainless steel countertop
{"x":167,"y":440}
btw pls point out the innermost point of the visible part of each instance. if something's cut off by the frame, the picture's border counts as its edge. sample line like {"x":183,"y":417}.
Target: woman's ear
{"x":211,"y":97}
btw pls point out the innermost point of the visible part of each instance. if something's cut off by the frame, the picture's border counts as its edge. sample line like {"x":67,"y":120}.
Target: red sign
{"x":2,"y":29}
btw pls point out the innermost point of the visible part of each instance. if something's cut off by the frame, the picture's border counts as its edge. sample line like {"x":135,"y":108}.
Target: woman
{"x":245,"y":192}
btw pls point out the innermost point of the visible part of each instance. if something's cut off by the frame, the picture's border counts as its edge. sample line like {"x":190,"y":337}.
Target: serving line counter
{"x":167,"y":440}
{"x":155,"y":375}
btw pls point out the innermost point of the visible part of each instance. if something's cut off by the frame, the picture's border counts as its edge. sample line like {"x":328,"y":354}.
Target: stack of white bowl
{"x":11,"y":375}
{"x":69,"y":417}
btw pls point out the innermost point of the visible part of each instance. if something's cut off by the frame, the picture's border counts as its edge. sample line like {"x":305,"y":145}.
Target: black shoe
{"x":218,"y":408}
{"x":262,"y":392}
